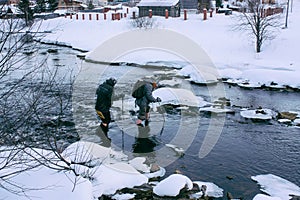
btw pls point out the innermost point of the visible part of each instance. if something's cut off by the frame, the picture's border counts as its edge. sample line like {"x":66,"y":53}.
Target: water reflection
{"x":105,"y":140}
{"x":144,"y":144}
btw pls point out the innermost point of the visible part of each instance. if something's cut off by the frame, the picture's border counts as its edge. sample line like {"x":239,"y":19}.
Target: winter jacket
{"x":148,"y":97}
{"x":104,"y":96}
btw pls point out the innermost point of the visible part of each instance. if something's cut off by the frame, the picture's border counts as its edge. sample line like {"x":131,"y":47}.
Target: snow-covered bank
{"x":103,"y":171}
{"x":276,"y":187}
{"x":231,"y":52}
{"x":100,"y":171}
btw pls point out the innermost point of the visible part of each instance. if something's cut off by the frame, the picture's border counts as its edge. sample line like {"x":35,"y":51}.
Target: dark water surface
{"x":244,"y":148}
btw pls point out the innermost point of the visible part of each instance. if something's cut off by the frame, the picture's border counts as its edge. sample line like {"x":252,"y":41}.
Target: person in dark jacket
{"x":144,"y":101}
{"x":103,"y":103}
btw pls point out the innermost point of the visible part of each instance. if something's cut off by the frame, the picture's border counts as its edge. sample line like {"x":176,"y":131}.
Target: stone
{"x":287,"y":115}
{"x":154,"y":168}
{"x":294,"y":197}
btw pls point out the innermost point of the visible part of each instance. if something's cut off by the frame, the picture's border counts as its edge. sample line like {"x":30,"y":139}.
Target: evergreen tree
{"x":218,"y":3}
{"x":24,"y":6}
{"x":40,"y":6}
{"x":91,"y":6}
{"x":52,"y":4}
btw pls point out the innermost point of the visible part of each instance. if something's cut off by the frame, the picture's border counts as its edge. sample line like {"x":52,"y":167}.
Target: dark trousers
{"x":104,"y":116}
{"x":144,"y":109}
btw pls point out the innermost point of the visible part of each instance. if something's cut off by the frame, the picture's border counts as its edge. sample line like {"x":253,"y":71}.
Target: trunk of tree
{"x":258,"y":46}
{"x":261,"y":26}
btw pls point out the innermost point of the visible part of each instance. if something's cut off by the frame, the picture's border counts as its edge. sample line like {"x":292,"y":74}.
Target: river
{"x":243,"y":148}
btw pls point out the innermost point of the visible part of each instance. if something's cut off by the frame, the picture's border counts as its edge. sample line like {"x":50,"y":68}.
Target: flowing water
{"x":243,"y":148}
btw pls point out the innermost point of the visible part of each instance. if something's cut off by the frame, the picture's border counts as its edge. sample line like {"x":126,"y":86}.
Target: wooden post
{"x":113,"y":16}
{"x":104,"y":16}
{"x":167,"y":13}
{"x":76,"y":16}
{"x":125,"y":15}
{"x":210,"y":12}
{"x":184,"y":14}
{"x":204,"y":14}
{"x":97,"y":16}
{"x":133,"y":14}
{"x":82,"y":16}
{"x":90,"y":16}
{"x":150,"y":13}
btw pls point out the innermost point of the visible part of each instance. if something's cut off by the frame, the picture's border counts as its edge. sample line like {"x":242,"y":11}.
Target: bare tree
{"x":143,"y":22}
{"x":35,"y":105}
{"x":261,"y":22}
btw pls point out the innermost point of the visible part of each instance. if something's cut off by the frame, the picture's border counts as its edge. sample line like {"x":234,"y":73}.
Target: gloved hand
{"x":158,"y":99}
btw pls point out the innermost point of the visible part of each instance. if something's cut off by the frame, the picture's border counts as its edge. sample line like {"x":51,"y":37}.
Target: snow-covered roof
{"x":156,"y":3}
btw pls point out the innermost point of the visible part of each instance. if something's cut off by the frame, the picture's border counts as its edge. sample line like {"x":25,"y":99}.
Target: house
{"x":70,"y":5}
{"x":189,"y":4}
{"x":159,"y":7}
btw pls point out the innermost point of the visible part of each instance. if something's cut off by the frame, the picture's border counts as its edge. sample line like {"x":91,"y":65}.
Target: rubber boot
{"x":104,"y":129}
{"x":147,"y":119}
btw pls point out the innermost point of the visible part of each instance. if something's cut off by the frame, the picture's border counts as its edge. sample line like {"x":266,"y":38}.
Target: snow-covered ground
{"x":231,"y":52}
{"x":107,"y":171}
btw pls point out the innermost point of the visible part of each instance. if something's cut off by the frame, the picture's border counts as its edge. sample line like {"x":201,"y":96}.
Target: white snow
{"x":89,"y":151}
{"x":171,"y":83}
{"x":195,"y":76}
{"x":157,"y":3}
{"x":44,"y":183}
{"x":216,"y":110}
{"x":110,"y":171}
{"x":231,"y":52}
{"x":177,"y":96}
{"x":180,"y":151}
{"x":138,"y":164}
{"x":111,"y":177}
{"x":285,"y":121}
{"x":160,"y":173}
{"x":263,"y":114}
{"x":123,"y":196}
{"x":276,"y":186}
{"x":297,"y":122}
{"x":265,"y":197}
{"x":172,"y":185}
{"x":212,"y":190}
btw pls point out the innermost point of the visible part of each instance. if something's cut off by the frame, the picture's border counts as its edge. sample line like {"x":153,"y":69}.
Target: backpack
{"x":102,"y":89}
{"x":138,"y":89}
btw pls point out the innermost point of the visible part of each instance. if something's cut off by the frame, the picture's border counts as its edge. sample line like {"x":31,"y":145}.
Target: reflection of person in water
{"x":105,"y":140}
{"x":144,"y":143}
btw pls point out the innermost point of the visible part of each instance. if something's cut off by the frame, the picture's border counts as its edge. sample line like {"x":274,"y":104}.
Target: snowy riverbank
{"x":106,"y":172}
{"x":232,"y":53}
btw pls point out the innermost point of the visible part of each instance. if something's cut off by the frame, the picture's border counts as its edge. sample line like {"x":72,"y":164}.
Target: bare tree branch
{"x":31,"y":90}
{"x":261,"y":21}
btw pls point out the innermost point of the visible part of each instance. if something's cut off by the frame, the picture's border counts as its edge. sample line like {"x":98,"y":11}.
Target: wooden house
{"x":159,"y":7}
{"x":70,"y":5}
{"x":189,"y":4}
